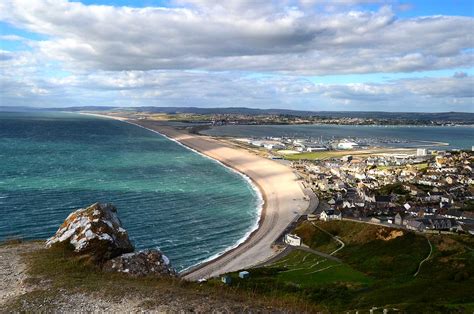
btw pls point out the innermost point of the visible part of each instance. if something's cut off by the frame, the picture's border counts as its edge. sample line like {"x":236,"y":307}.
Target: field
{"x":316,"y":155}
{"x":58,"y":280}
{"x":307,"y":269}
{"x":377,"y":270}
{"x":340,"y":153}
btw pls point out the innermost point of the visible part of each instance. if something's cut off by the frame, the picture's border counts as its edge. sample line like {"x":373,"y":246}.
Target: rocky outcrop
{"x":142,"y":263}
{"x":96,"y":231}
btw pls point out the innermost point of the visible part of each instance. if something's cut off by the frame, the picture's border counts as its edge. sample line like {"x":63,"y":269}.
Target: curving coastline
{"x":284,"y":199}
{"x":254,"y":185}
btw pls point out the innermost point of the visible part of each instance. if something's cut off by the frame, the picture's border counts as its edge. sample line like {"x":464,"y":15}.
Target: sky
{"x":350,"y":55}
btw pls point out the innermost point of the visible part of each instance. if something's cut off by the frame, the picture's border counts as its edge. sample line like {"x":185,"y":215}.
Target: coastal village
{"x":420,"y":189}
{"x":422,"y":192}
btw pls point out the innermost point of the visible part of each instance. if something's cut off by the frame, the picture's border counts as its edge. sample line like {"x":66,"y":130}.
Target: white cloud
{"x":280,"y":36}
{"x":205,"y":54}
{"x":25,"y":82}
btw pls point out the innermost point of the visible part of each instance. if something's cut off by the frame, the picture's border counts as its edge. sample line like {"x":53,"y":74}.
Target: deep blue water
{"x":461,"y":137}
{"x":167,"y":196}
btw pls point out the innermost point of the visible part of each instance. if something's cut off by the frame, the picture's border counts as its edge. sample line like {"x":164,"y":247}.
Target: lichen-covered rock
{"x":96,"y":231}
{"x":142,"y":263}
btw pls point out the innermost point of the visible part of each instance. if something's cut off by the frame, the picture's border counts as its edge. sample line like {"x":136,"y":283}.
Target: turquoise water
{"x":168,"y":197}
{"x":460,"y":137}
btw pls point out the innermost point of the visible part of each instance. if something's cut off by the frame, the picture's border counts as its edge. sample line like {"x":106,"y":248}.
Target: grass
{"x":307,"y":270}
{"x":304,"y":276}
{"x":316,"y":239}
{"x":395,"y":188}
{"x":377,"y":269}
{"x":367,"y":248}
{"x":316,"y":155}
{"x":59,"y":271}
{"x":444,"y":283}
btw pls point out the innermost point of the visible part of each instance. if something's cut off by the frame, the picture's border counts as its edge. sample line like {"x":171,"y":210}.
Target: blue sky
{"x":298,"y":54}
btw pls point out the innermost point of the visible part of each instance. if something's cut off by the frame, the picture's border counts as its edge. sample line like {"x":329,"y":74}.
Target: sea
{"x":168,"y":197}
{"x":434,"y":137}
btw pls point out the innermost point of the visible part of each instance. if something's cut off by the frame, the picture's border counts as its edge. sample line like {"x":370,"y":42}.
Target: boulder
{"x":142,"y":263}
{"x":95,"y":231}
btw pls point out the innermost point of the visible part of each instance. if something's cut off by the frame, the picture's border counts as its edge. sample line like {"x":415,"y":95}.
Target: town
{"x":426,"y":191}
{"x":419,"y":189}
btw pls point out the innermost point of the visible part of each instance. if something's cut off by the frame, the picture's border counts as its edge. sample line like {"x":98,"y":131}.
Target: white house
{"x":292,"y":239}
{"x":330,"y":214}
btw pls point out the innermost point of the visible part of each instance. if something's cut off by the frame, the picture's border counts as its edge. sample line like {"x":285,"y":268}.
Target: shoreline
{"x":283,"y":199}
{"x":260,"y":200}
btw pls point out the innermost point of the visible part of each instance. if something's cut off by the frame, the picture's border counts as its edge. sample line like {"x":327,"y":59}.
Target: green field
{"x":316,"y":155}
{"x":307,"y":269}
{"x":377,"y":270}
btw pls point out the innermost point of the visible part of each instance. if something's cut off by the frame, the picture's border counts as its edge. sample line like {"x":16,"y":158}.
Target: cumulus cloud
{"x":25,"y":83}
{"x":233,"y":53}
{"x":283,"y":36}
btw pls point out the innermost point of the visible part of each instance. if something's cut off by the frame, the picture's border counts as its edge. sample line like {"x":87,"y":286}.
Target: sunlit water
{"x":168,"y":197}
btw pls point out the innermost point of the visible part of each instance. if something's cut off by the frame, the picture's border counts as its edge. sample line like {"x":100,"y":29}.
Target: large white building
{"x":345,"y":144}
{"x":292,"y":239}
{"x":421,"y":152}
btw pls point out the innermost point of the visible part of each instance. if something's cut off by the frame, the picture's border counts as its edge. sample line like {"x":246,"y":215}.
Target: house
{"x":379,"y":220}
{"x":398,"y":220}
{"x":292,"y":239}
{"x":382,"y":201}
{"x":467,"y":228}
{"x":440,"y":223}
{"x":312,"y":217}
{"x":434,"y":197}
{"x":226,"y":279}
{"x":416,"y":225}
{"x":330,"y":214}
{"x":244,"y":274}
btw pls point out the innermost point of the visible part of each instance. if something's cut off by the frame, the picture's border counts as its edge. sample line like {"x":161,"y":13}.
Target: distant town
{"x":417,"y":189}
{"x":218,"y":119}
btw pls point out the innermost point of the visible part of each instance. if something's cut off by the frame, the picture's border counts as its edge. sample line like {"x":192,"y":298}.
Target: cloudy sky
{"x":298,"y":54}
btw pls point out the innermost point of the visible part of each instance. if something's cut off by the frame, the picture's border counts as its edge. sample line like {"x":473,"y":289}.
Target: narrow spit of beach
{"x":284,"y":199}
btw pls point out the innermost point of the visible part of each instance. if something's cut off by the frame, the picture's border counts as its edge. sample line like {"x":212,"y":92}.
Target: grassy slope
{"x":58,"y":271}
{"x":307,"y":270}
{"x":445,"y":280}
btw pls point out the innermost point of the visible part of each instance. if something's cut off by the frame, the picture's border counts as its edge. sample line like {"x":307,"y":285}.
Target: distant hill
{"x":465,"y":117}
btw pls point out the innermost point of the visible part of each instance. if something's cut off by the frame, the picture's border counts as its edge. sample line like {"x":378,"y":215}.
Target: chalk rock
{"x":96,"y":231}
{"x":142,"y":263}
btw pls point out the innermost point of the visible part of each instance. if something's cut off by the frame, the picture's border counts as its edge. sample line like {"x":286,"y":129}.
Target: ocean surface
{"x":167,"y":196}
{"x":458,"y":137}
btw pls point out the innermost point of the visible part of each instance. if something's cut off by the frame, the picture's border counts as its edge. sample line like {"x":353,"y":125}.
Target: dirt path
{"x":13,"y":270}
{"x":335,"y":238}
{"x":21,"y":293}
{"x":427,"y":258}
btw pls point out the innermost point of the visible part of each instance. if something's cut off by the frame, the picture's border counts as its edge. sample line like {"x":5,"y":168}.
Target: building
{"x":330,"y":214}
{"x":292,"y":239}
{"x":398,"y":219}
{"x":226,"y":279}
{"x":415,"y":225}
{"x":244,"y":274}
{"x":345,"y":144}
{"x":421,"y":152}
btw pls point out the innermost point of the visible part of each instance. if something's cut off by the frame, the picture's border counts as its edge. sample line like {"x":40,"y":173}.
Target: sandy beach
{"x":282,"y":193}
{"x":284,"y":199}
